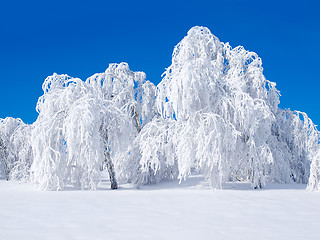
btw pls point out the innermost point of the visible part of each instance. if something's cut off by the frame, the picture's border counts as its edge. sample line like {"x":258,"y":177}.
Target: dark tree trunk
{"x":107,"y":158}
{"x":136,"y":120}
{"x":110,"y":167}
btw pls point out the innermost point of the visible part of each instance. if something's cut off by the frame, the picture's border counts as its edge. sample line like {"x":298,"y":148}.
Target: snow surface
{"x":167,"y":210}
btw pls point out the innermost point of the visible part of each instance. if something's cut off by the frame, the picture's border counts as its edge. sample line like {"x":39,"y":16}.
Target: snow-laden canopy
{"x":83,"y":126}
{"x":214,"y":113}
{"x":219,"y":116}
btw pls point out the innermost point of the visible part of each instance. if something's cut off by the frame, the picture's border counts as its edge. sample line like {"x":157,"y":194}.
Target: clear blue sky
{"x":38,"y":38}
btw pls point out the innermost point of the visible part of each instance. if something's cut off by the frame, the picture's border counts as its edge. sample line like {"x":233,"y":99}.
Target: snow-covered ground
{"x":168,"y":210}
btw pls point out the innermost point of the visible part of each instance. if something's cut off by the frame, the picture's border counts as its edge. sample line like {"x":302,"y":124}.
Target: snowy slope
{"x":166,"y":211}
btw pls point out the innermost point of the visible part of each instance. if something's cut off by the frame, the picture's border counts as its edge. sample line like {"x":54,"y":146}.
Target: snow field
{"x":164,"y":211}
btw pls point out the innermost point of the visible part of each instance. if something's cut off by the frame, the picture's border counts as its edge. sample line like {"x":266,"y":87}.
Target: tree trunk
{"x":136,"y":120}
{"x":110,"y":167}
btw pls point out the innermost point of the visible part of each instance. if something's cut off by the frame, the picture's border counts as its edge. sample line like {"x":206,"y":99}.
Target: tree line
{"x":214,"y":113}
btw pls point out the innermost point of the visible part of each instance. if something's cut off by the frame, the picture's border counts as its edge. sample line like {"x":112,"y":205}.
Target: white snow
{"x":167,"y":210}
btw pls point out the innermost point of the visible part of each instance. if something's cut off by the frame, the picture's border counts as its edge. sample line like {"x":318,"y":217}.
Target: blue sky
{"x":38,"y":38}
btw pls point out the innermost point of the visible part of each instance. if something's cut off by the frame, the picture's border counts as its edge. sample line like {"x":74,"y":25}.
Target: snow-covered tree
{"x":67,"y":144}
{"x":83,"y":126}
{"x":3,"y":156}
{"x":210,"y":114}
{"x":15,"y":149}
{"x":225,"y":118}
{"x":314,"y":179}
{"x":134,"y":98}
